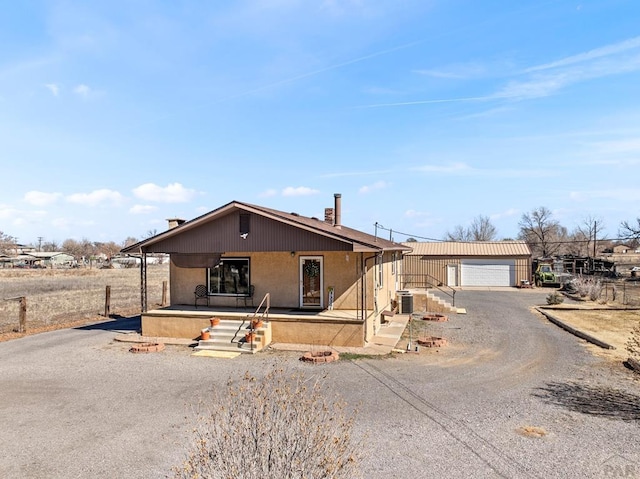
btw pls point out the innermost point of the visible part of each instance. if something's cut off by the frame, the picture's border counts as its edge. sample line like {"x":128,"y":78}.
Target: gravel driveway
{"x":511,"y":396}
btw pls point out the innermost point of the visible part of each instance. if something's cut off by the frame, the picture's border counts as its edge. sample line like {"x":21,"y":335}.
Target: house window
{"x":229,"y":277}
{"x":244,"y":223}
{"x":379,"y":264}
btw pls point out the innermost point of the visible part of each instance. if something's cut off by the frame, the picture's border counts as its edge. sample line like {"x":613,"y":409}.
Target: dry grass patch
{"x":56,"y":297}
{"x":609,"y":325}
{"x":531,"y":431}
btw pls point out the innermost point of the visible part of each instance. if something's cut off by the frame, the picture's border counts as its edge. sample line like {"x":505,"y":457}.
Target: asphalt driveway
{"x":511,"y":396}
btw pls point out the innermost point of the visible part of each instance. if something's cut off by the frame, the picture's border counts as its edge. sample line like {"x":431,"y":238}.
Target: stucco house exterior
{"x":460,"y":264}
{"x":324,"y":283}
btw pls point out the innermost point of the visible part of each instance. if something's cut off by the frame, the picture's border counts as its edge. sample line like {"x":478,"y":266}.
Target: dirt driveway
{"x":511,"y":396}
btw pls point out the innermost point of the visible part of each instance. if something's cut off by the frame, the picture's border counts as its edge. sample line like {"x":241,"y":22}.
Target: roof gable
{"x":270,"y":230}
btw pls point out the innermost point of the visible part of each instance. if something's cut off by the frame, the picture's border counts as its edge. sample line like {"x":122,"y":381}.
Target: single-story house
{"x":324,"y":283}
{"x":460,"y":264}
{"x":621,"y":249}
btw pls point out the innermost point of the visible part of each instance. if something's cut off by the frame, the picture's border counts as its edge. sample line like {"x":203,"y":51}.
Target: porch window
{"x":379,"y":264}
{"x":229,"y":277}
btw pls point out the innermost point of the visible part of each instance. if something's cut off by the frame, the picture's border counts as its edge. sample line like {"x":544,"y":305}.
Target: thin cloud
{"x":40,"y":198}
{"x":608,"y":50}
{"x":172,"y":193}
{"x":415,"y":214}
{"x":269,"y":193}
{"x":83,"y":90}
{"x":142,"y":209}
{"x":511,"y":212}
{"x":620,"y":194}
{"x":452,"y":168}
{"x":379,"y":185}
{"x":356,"y":173}
{"x":95,"y":198}
{"x":427,"y":102}
{"x":53,"y":88}
{"x":299,"y":191}
{"x":455,"y":72}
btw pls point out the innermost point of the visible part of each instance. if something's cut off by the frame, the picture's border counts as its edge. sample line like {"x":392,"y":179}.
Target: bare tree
{"x":543,"y":234}
{"x":7,"y":243}
{"x":480,"y":229}
{"x":459,"y":233}
{"x":129,"y":240}
{"x":588,"y":232}
{"x":50,"y":246}
{"x":630,"y":232}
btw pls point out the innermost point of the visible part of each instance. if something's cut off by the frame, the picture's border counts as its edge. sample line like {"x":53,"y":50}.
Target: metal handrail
{"x":264,"y":316}
{"x":427,"y":281}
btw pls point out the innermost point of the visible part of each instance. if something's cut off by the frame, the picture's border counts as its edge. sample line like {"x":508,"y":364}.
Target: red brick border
{"x":432,"y":342}
{"x":147,"y":348}
{"x":435,"y":317}
{"x":320,"y":357}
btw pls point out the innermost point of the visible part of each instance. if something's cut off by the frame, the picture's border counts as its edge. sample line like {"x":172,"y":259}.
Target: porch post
{"x":143,"y":283}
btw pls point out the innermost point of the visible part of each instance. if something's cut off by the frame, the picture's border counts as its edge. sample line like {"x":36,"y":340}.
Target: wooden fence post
{"x":107,"y":301}
{"x":164,"y":294}
{"x":22,"y":328}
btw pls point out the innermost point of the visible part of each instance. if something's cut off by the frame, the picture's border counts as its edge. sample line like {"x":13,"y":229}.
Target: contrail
{"x":425,"y":102}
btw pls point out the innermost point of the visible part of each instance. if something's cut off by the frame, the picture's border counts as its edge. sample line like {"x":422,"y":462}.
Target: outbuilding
{"x":460,"y":264}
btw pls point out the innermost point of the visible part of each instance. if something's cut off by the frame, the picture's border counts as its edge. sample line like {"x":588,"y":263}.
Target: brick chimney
{"x":328,"y":215}
{"x":173,"y":222}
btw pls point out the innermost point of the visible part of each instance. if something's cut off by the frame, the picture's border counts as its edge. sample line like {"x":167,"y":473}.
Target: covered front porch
{"x":343,"y":328}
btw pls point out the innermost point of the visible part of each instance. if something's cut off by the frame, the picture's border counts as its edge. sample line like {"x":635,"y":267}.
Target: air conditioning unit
{"x":405,"y":303}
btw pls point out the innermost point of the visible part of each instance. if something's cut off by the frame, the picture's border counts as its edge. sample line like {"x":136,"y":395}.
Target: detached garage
{"x":457,"y":264}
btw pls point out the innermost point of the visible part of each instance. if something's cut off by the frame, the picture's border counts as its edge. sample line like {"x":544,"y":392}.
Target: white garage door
{"x":488,"y":272}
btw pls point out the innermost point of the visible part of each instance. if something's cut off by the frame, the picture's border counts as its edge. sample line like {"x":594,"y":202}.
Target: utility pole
{"x":39,"y":243}
{"x":595,"y":232}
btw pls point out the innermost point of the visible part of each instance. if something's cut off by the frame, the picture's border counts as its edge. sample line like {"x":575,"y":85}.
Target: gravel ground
{"x":511,"y":396}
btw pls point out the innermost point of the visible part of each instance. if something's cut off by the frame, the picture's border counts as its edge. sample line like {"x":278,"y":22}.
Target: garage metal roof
{"x":479,"y":248}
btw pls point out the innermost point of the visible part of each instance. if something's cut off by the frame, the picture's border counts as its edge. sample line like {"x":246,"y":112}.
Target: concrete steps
{"x":229,"y":335}
{"x":443,"y":305}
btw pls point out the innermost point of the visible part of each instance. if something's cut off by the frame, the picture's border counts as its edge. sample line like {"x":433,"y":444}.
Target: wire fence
{"x":40,"y":299}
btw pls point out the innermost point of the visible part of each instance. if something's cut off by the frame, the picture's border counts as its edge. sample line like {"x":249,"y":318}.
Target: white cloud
{"x":172,"y":193}
{"x":142,"y":209}
{"x":40,"y":198}
{"x":97,"y":197}
{"x":299,"y":191}
{"x":379,"y":185}
{"x":53,"y":88}
{"x":82,"y":90}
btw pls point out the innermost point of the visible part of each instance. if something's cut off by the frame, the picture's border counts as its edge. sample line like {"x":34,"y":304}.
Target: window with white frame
{"x":379,"y":266}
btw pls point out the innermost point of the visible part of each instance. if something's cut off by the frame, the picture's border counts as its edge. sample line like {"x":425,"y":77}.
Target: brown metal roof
{"x":480,"y":248}
{"x":215,"y":231}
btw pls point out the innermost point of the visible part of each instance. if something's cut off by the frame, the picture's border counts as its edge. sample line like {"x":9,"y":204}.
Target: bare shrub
{"x":555,"y":298}
{"x":595,"y":290}
{"x":581,"y":286}
{"x":633,"y":344}
{"x":280,"y":425}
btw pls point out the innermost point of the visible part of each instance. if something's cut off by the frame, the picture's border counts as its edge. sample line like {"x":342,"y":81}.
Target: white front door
{"x":311,"y":282}
{"x":452,"y":275}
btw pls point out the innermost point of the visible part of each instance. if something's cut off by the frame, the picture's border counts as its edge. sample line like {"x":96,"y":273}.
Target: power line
{"x":537,"y":242}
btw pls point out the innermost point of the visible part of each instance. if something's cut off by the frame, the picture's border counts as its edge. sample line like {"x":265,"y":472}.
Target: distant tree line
{"x":77,"y":248}
{"x":547,"y":237}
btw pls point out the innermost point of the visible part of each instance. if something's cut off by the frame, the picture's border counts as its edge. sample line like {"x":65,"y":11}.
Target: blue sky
{"x":115,"y":115}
